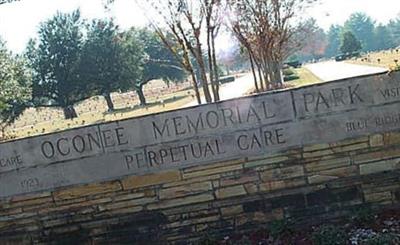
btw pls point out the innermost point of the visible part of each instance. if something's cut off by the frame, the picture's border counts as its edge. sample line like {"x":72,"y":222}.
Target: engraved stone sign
{"x":250,"y":126}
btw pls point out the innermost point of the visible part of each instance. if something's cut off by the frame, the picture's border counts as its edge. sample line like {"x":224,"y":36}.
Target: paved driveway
{"x":327,"y":71}
{"x":331,"y":70}
{"x":232,"y":90}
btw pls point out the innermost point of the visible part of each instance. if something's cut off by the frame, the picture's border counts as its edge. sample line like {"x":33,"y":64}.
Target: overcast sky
{"x":19,"y":21}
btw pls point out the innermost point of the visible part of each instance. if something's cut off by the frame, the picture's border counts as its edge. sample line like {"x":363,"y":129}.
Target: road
{"x":326,"y":71}
{"x":232,"y":90}
{"x":331,"y":70}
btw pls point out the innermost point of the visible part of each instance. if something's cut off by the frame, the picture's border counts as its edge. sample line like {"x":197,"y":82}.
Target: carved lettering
{"x":14,"y":161}
{"x":79,"y":144}
{"x":253,"y":141}
{"x":213,"y":119}
{"x":30,"y":183}
{"x":390,"y":93}
{"x":333,"y":98}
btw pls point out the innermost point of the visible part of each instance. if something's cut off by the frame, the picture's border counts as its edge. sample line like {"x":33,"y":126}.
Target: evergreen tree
{"x":383,"y":38}
{"x":362,"y":27}
{"x":334,"y":40}
{"x":56,"y":63}
{"x":15,"y":87}
{"x":350,"y":43}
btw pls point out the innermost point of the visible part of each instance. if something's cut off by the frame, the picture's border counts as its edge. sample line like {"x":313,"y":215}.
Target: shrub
{"x":363,"y":216}
{"x":279,"y":227}
{"x":295,"y":64}
{"x":288,"y":72}
{"x":229,"y":79}
{"x":291,"y":78}
{"x":383,"y":239}
{"x":329,"y":235}
{"x":207,"y":239}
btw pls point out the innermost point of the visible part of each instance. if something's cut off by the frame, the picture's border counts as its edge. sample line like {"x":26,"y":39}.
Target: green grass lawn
{"x":384,"y":59}
{"x":38,"y":121}
{"x":306,"y":78}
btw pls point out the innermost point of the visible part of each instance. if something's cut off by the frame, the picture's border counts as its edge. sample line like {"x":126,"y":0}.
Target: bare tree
{"x":214,"y":13}
{"x":270,"y":30}
{"x":186,"y":21}
{"x":178,"y":48}
{"x":172,"y":34}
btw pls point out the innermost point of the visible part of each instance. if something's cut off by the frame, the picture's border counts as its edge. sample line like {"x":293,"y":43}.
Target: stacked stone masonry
{"x":330,"y":155}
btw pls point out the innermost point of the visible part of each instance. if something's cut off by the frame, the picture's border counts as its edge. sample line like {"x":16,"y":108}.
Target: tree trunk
{"x":269,"y":75}
{"x":203,"y":72}
{"x":277,"y":73}
{"x":142,"y":98}
{"x":254,"y":72}
{"x":195,"y":87}
{"x":216,"y":73}
{"x":69,"y":112}
{"x":211,"y":65}
{"x":110,"y":104}
{"x":187,"y":64}
{"x":261,"y":78}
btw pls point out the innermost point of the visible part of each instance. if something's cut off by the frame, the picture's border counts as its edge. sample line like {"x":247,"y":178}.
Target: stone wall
{"x":306,"y":154}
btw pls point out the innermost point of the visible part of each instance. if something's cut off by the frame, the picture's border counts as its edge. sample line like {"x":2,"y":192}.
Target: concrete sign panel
{"x":251,"y":126}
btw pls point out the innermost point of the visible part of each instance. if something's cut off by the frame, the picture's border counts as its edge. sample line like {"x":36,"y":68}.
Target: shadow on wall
{"x":139,"y":228}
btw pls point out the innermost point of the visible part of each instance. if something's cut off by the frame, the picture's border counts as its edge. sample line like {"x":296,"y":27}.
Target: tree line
{"x":74,"y":59}
{"x":360,"y":33}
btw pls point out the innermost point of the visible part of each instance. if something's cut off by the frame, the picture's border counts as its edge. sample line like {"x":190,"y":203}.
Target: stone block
{"x":30,"y":196}
{"x":247,"y":177}
{"x":354,"y":147}
{"x":86,"y":190}
{"x":340,"y":172}
{"x":129,"y":210}
{"x":185,"y":190}
{"x":214,"y":165}
{"x":377,"y":155}
{"x":212,"y":171}
{"x":234,"y":210}
{"x":281,"y":184}
{"x":327,"y":163}
{"x":326,"y":197}
{"x":380,"y":187}
{"x":296,"y":201}
{"x":314,"y":154}
{"x":264,"y":217}
{"x":129,"y":204}
{"x":282,"y":173}
{"x":377,"y":167}
{"x":131,"y":196}
{"x":251,"y":188}
{"x":186,"y":182}
{"x":232,"y":191}
{"x":195,"y":199}
{"x":150,"y":180}
{"x":354,"y":141}
{"x":266,"y":162}
{"x":316,"y":147}
{"x":318,"y":179}
{"x":392,"y":138}
{"x":31,"y":202}
{"x":381,"y":197}
{"x":376,"y":140}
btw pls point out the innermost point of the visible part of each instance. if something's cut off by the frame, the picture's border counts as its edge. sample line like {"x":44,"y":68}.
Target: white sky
{"x":19,"y":20}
